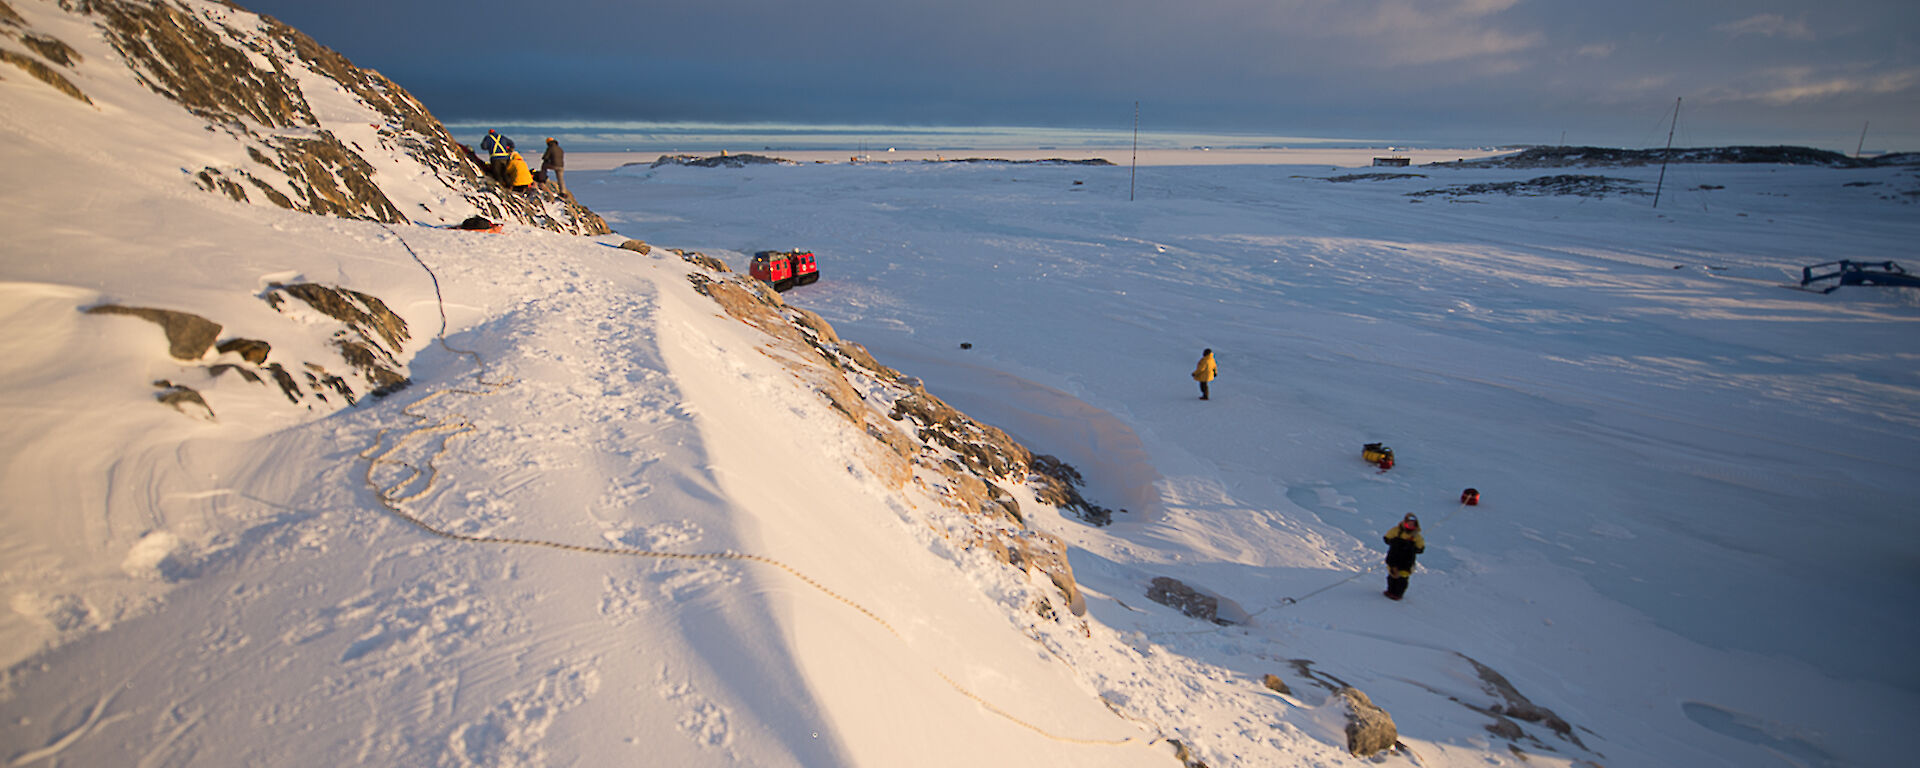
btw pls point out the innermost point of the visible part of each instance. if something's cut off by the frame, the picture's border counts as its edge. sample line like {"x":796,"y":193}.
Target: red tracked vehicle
{"x":784,"y":269}
{"x":774,"y":267}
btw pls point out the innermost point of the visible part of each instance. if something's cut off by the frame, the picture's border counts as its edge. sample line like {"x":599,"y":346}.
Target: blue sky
{"x":1411,"y":71}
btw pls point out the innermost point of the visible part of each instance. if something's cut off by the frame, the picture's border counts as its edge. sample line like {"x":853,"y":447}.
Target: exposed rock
{"x":1564,"y":184}
{"x":211,"y":179}
{"x":358,"y":310}
{"x":43,"y":73}
{"x":53,"y":49}
{"x":371,"y":343}
{"x":219,"y":369}
{"x":1317,"y":677}
{"x":969,"y":460}
{"x":188,"y":335}
{"x":10,"y":17}
{"x":288,"y":386}
{"x":1055,"y":482}
{"x":983,"y":448}
{"x":1184,"y":755}
{"x":1370,"y":729}
{"x":251,"y":350}
{"x":334,"y":180}
{"x":183,"y":399}
{"x":1172,"y":593}
{"x":638,"y":247}
{"x":1517,"y":706}
{"x":980,"y":497}
{"x":1275,"y":684}
{"x":177,"y":55}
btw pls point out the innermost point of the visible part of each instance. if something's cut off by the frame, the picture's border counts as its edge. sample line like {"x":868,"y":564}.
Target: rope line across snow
{"x":393,"y":500}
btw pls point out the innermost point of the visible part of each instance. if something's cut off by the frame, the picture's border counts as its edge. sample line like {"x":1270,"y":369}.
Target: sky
{"x":1460,"y":72}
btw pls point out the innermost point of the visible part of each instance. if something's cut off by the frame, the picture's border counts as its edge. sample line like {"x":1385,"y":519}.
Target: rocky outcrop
{"x":189,"y":336}
{"x":243,"y":75}
{"x":1516,"y":706}
{"x":1578,"y":185}
{"x":369,"y":337}
{"x":722,"y":160}
{"x":1370,"y":729}
{"x":371,"y":342}
{"x":1598,"y":157}
{"x":44,"y":73}
{"x":1172,"y":593}
{"x":916,"y":437}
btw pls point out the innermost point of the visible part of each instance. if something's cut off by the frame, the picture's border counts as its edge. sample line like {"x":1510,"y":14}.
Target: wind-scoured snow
{"x":607,"y":523}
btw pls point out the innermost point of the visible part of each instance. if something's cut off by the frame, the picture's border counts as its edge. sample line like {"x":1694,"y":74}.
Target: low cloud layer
{"x":1508,"y":70}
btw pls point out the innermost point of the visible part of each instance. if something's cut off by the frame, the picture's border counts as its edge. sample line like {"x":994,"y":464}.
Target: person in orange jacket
{"x":1205,"y":371}
{"x":1404,"y":543}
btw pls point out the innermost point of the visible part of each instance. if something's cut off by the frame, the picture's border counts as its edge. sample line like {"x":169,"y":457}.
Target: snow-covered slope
{"x":622,"y":508}
{"x":630,"y":508}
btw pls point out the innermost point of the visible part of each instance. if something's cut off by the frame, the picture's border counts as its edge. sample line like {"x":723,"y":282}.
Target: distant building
{"x":1391,"y":162}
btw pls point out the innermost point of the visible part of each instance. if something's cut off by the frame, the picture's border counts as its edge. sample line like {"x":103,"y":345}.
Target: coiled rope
{"x":453,"y":426}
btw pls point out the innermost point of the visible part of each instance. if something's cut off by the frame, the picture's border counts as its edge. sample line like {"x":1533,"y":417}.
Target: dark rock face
{"x":188,"y":335}
{"x":1173,"y":594}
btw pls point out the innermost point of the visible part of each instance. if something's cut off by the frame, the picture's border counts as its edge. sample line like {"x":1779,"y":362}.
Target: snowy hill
{"x":397,"y":493}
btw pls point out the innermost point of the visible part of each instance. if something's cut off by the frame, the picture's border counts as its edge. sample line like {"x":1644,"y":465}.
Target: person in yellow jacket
{"x":1404,"y":543}
{"x":518,"y":176}
{"x":1204,"y":372}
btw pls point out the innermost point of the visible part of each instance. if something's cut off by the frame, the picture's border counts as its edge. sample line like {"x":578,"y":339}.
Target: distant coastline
{"x":1333,"y":157}
{"x":874,"y":140}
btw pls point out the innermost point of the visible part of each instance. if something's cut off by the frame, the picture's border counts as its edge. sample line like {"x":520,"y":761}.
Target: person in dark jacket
{"x":1204,"y":371}
{"x":499,"y":152}
{"x":554,"y":162}
{"x":1404,"y":543}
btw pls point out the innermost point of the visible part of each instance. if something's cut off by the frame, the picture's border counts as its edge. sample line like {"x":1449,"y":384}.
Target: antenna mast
{"x":1136,"y":151}
{"x":1669,"y":153}
{"x":1863,"y":139}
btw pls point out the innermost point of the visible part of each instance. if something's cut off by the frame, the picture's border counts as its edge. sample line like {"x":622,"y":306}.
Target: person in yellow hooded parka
{"x":1204,"y":372}
{"x":520,"y":177}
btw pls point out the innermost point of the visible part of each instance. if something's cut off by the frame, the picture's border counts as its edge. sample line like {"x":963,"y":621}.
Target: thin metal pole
{"x":1863,"y":140}
{"x":1667,"y":154}
{"x":1136,"y":151}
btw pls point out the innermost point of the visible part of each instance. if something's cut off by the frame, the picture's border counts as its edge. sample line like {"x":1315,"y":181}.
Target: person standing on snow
{"x":1404,"y":543}
{"x":554,"y":162}
{"x":499,"y":150}
{"x":1204,"y":372}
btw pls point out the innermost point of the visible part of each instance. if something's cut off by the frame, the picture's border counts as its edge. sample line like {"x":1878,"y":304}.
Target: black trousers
{"x":1203,"y":390}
